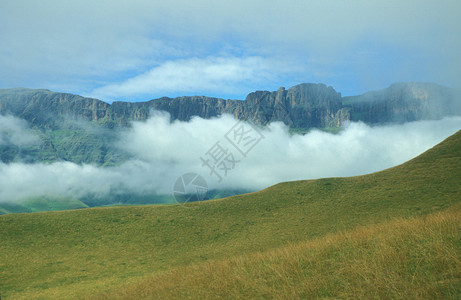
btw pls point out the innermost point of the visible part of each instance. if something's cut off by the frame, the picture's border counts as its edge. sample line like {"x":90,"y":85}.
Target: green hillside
{"x":103,"y":252}
{"x":38,"y":204}
{"x":416,"y":258}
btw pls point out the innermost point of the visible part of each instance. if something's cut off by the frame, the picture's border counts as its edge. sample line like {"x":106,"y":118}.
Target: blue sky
{"x":139,"y":50}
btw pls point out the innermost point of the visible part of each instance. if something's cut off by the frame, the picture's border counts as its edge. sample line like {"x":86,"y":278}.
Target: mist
{"x":15,"y":132}
{"x":160,"y":151}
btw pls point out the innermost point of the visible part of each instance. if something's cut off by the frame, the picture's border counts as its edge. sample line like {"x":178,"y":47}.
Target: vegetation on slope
{"x":78,"y":253}
{"x":37,"y":204}
{"x":77,"y":142}
{"x":417,"y":258}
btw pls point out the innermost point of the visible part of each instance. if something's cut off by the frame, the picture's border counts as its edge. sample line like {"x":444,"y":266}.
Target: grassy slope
{"x":53,"y":203}
{"x":38,"y":204}
{"x":417,"y":258}
{"x":70,"y":253}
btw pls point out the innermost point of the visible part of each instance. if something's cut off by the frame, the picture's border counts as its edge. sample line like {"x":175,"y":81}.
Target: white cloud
{"x":163,"y":151}
{"x":214,"y":74}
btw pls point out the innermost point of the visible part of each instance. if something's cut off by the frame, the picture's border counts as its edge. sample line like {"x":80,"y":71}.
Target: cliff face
{"x":43,"y":108}
{"x":302,"y":106}
{"x":78,"y":129}
{"x":182,"y":108}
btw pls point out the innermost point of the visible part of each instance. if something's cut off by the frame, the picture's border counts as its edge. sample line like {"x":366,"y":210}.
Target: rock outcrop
{"x":78,"y":129}
{"x":301,"y":106}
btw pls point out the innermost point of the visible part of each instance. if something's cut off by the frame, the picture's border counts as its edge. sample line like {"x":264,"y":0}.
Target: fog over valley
{"x":159,"y":151}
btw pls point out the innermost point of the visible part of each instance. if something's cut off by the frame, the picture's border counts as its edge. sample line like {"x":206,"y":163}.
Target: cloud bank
{"x":162,"y":151}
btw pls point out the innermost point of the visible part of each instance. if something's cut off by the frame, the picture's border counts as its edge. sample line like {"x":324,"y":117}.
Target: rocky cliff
{"x":303,"y":106}
{"x":78,"y":129}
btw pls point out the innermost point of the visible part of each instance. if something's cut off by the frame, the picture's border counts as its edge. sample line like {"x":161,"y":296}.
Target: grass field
{"x":391,"y":234}
{"x":416,"y":258}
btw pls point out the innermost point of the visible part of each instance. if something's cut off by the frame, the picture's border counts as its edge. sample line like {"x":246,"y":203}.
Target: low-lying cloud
{"x":15,"y":132}
{"x":162,"y":151}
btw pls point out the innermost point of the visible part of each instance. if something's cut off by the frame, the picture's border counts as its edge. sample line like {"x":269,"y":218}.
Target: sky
{"x":143,"y":49}
{"x":161,"y":152}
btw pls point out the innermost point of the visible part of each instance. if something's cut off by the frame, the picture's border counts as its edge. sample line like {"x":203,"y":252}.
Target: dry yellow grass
{"x":416,"y":258}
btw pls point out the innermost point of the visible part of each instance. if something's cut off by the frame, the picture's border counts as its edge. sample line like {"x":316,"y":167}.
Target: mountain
{"x":404,"y":102}
{"x":390,"y":234}
{"x":81,"y":130}
{"x":302,"y":106}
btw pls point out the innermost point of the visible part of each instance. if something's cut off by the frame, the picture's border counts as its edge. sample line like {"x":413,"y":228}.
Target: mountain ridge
{"x":81,"y":130}
{"x":305,"y":105}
